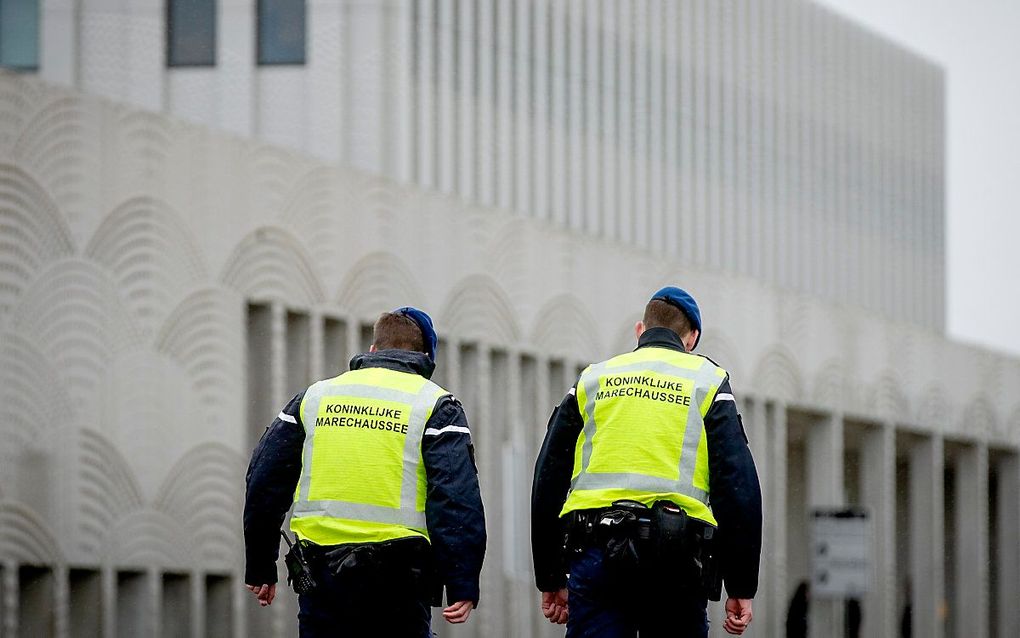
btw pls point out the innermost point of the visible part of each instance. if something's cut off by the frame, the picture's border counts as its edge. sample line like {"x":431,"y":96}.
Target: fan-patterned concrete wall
{"x":133,"y":246}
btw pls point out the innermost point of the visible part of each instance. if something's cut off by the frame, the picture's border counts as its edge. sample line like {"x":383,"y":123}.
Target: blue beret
{"x":424,"y":323}
{"x":684,"y":302}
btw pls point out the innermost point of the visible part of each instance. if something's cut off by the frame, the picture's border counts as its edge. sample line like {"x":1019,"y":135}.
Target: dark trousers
{"x":605,"y":604}
{"x":390,"y":603}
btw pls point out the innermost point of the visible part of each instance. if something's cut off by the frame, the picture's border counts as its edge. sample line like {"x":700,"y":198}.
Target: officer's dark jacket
{"x":453,"y":504}
{"x":733,"y":487}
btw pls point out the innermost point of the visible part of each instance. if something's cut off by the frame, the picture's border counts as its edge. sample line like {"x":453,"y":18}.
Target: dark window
{"x":19,"y":34}
{"x":281,"y":31}
{"x":191,"y":33}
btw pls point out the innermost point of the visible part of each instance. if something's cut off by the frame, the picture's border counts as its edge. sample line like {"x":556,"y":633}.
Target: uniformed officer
{"x":379,"y":467}
{"x":646,"y":471}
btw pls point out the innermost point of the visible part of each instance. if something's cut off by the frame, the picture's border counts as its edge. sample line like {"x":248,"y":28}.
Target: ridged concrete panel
{"x":147,"y":538}
{"x":202,"y":494}
{"x":146,"y":390}
{"x":979,"y":421}
{"x":74,"y":314}
{"x":29,"y":415}
{"x":564,"y":326}
{"x":197,"y":336}
{"x":58,"y":147}
{"x":723,"y":348}
{"x":152,"y":256}
{"x":26,"y":538}
{"x":34,"y":232}
{"x":147,"y":141}
{"x":886,"y":396}
{"x":272,"y":264}
{"x":829,"y":387}
{"x":478,"y":309}
{"x":19,"y":98}
{"x":776,"y":374}
{"x":105,"y":490}
{"x":379,"y":281}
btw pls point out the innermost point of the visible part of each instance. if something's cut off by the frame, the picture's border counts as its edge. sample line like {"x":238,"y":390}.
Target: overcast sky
{"x":977,"y":42}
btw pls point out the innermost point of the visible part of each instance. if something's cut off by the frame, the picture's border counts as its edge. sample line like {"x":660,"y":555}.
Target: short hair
{"x":397,"y":332}
{"x":662,"y":314}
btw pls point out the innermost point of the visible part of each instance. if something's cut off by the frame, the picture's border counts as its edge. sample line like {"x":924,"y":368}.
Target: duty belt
{"x":637,"y":520}
{"x":398,"y":551}
{"x":660,"y":537}
{"x":595,"y":526}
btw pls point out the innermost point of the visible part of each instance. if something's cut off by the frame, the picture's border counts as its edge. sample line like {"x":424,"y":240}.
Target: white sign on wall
{"x":840,"y":552}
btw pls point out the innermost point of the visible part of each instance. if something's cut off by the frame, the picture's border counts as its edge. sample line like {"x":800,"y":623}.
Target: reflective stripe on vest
{"x":356,"y":409}
{"x":702,"y":380}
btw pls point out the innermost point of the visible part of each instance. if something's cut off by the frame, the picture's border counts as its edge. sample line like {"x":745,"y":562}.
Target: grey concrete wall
{"x":770,"y":139}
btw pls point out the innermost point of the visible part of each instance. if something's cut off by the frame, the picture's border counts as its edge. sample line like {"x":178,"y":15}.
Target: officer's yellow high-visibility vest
{"x":644,"y":431}
{"x":362,"y":476}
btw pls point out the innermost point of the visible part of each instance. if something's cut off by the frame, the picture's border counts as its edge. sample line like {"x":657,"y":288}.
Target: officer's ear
{"x":639,"y":329}
{"x":691,"y":339}
{"x":372,"y":348}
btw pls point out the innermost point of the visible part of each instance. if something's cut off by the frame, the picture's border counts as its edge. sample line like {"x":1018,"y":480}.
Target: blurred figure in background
{"x":854,"y":618}
{"x":797,"y":614}
{"x":907,"y":619}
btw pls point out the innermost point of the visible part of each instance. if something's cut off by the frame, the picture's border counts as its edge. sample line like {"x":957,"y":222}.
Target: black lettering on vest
{"x":643,"y":386}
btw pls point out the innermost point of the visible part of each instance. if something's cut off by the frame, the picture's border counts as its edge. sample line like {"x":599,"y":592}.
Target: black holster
{"x":711,"y":574}
{"x":661,"y":540}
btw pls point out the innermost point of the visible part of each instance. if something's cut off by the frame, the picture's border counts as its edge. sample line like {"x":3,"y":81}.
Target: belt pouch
{"x":711,"y":576}
{"x":617,"y":529}
{"x":669,"y":529}
{"x":360,"y":562}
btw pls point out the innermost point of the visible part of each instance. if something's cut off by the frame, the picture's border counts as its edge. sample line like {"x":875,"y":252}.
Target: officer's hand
{"x":554,"y":606}
{"x":458,"y":612}
{"x":738,"y":615}
{"x":265,"y":593}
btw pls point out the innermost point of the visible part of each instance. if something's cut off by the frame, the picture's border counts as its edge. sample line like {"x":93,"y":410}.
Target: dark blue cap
{"x":424,"y":323}
{"x":684,"y":302}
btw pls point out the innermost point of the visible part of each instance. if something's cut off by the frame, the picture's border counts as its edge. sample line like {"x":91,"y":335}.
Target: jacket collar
{"x":660,"y":338}
{"x":398,"y":360}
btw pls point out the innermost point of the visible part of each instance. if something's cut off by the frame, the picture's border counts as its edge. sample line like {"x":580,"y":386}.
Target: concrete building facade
{"x":182,"y":249}
{"x":701,"y":130}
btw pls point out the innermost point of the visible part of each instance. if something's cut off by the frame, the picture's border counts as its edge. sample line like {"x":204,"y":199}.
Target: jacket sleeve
{"x":272,"y":477}
{"x":453,"y":503}
{"x":735,"y":494}
{"x":549,"y":491}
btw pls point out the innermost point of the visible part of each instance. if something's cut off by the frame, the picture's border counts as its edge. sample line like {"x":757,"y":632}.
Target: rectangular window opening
{"x":558,"y":382}
{"x":3,"y":598}
{"x":367,"y":336}
{"x":334,"y":346}
{"x":176,"y":606}
{"x":259,"y":336}
{"x":131,"y":604}
{"x":299,"y":355}
{"x":35,"y":601}
{"x":85,"y":603}
{"x":218,"y":607}
{"x":281,"y":32}
{"x":441,"y":375}
{"x":470,"y":382}
{"x":19,"y":34}
{"x":190,"y":33}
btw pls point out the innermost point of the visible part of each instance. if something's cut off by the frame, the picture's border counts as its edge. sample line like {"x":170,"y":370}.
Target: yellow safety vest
{"x":362,"y":476}
{"x":644,"y":431}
